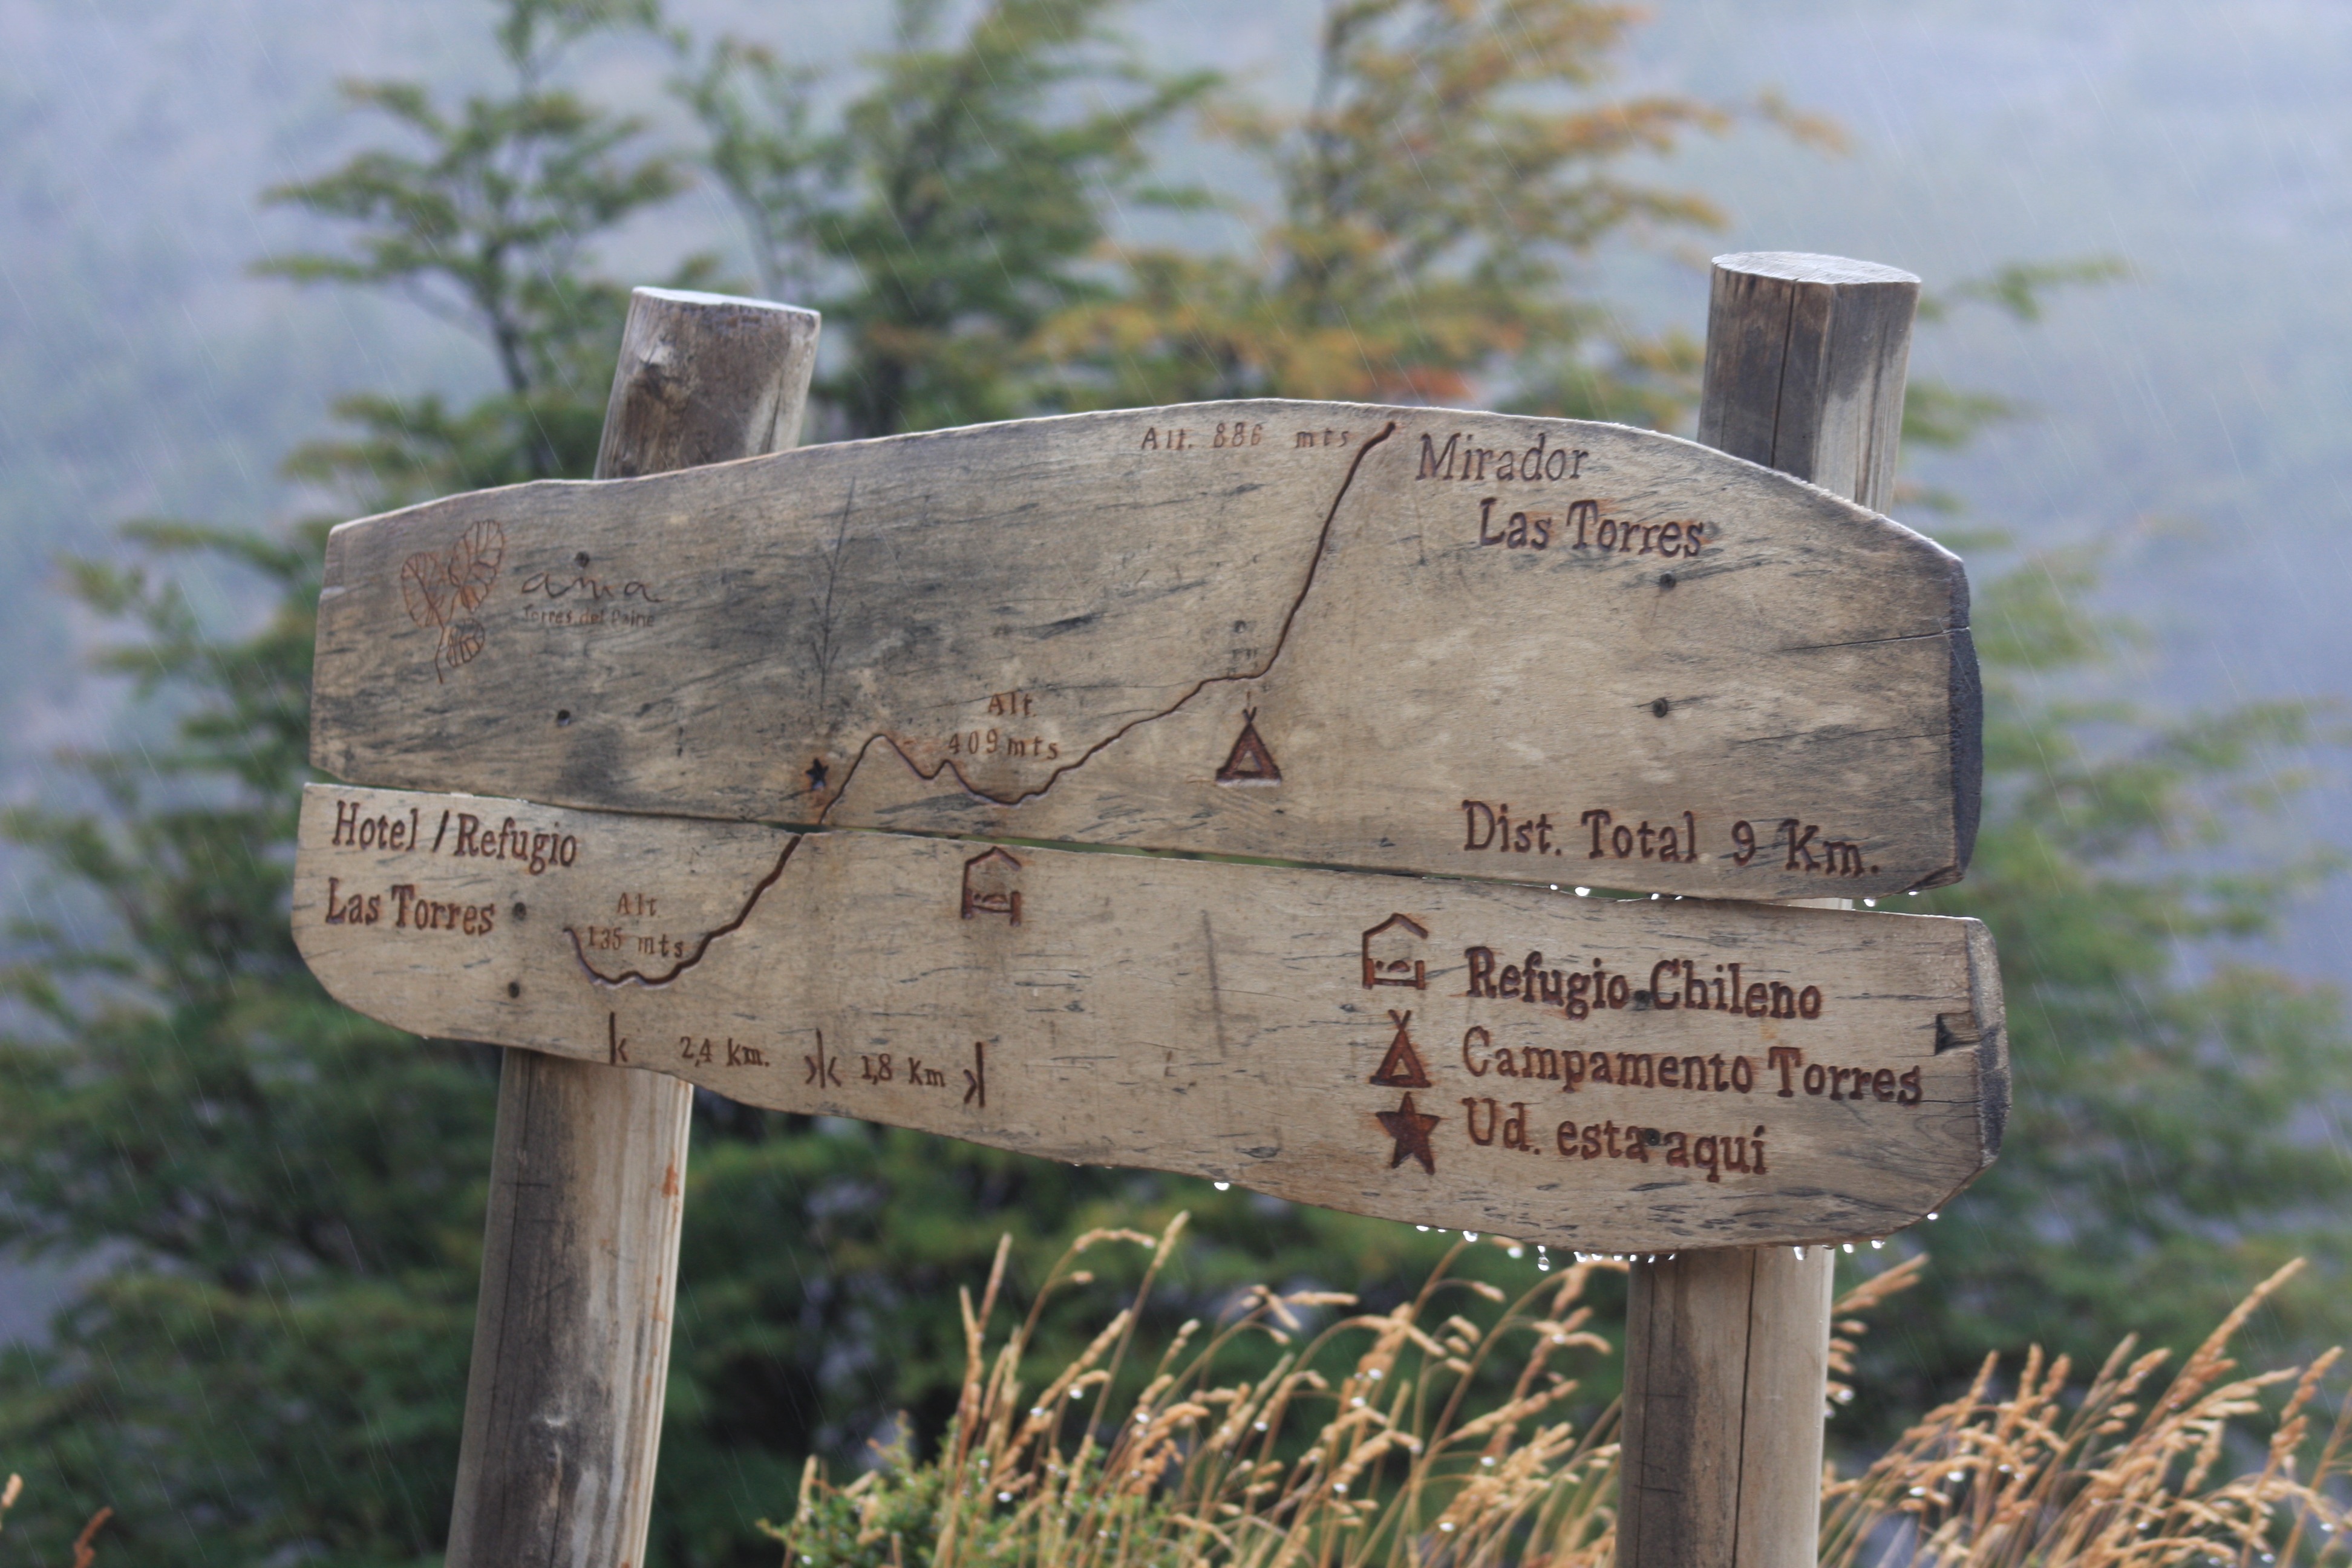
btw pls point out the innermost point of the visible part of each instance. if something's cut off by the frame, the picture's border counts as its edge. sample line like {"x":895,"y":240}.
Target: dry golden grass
{"x":1379,"y":1462}
{"x":84,"y":1552}
{"x":1384,"y":1460}
{"x":2124,"y":1473}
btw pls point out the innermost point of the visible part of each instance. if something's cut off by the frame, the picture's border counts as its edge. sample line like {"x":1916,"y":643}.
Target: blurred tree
{"x":280,"y":1204}
{"x":2179,"y":1128}
{"x":489,"y":225}
{"x":1431,"y":205}
{"x":958,"y":203}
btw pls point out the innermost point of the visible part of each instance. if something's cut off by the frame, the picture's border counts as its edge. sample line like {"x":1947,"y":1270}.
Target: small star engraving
{"x":1410,"y":1130}
{"x":816,"y":772}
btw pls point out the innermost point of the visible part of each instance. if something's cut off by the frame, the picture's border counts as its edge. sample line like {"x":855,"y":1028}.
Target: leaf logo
{"x":441,"y":593}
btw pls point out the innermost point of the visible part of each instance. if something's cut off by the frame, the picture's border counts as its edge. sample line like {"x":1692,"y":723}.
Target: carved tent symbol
{"x":1250,"y":763}
{"x":988,"y":885}
{"x":1392,"y":954}
{"x":1402,"y":1069}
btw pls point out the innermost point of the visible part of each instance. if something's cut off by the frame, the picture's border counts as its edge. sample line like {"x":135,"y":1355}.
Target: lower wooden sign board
{"x":1618,"y":1075}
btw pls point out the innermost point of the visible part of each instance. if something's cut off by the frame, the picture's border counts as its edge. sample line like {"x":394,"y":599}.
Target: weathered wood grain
{"x":703,"y":379}
{"x":1806,"y":358}
{"x":1725,"y":1370}
{"x":1325,"y":633}
{"x":1727,"y":1352}
{"x":566,"y":1388}
{"x":564,"y":1396}
{"x":1806,"y":361}
{"x":1240,"y":1022}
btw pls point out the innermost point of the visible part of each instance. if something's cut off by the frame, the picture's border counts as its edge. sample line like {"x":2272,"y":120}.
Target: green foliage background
{"x":282,"y":1202}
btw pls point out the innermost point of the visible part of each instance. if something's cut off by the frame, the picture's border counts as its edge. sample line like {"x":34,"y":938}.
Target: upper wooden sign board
{"x":1392,"y":638}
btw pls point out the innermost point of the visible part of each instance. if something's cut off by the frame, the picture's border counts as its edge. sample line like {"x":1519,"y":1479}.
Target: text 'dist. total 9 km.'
{"x":1790,"y":844}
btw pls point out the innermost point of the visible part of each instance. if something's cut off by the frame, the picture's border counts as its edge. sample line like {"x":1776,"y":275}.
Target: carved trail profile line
{"x":1812,"y":691}
{"x":1281,"y":641}
{"x":638,"y":978}
{"x":1870,"y":1047}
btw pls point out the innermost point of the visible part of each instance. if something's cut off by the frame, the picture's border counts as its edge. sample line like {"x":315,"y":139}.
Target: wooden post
{"x":563,"y":1401}
{"x":1726,"y":1352}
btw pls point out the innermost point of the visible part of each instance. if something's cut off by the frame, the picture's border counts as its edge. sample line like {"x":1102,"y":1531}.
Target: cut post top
{"x":1806,"y":267}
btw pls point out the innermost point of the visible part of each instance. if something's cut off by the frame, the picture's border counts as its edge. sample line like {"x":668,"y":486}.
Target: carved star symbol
{"x":1410,"y":1130}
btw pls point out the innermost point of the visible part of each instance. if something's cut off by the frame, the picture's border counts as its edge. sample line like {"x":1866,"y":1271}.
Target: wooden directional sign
{"x":1397,"y":638}
{"x":1640,"y":1075}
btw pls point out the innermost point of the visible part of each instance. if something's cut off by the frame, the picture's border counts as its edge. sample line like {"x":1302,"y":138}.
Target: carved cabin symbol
{"x":441,"y":592}
{"x":1250,"y":763}
{"x":1402,"y":1069}
{"x":988,"y":885}
{"x":1392,"y":954}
